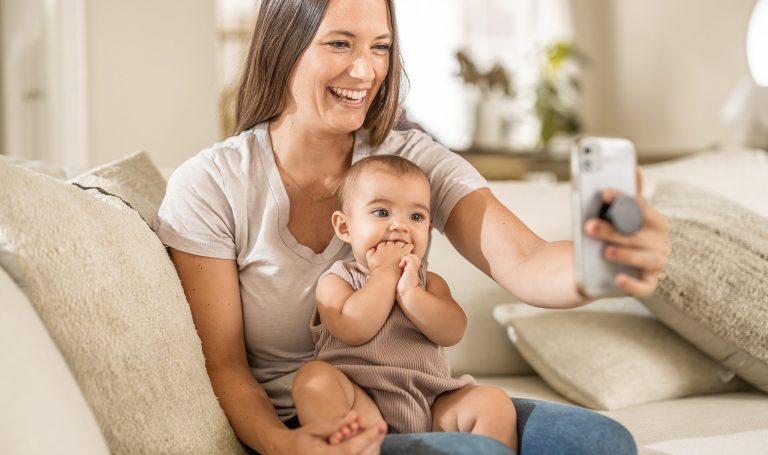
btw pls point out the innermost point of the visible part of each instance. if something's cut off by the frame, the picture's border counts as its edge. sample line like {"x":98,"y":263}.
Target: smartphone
{"x":598,"y":164}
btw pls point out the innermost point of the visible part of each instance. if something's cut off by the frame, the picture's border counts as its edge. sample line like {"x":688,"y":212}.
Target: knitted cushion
{"x":714,"y":291}
{"x":110,"y":298}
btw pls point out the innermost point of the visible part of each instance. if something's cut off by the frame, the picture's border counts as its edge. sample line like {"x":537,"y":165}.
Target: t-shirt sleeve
{"x":451,"y":177}
{"x":196,"y":215}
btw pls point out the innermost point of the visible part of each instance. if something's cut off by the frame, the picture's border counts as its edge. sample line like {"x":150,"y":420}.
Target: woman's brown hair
{"x":284,"y":29}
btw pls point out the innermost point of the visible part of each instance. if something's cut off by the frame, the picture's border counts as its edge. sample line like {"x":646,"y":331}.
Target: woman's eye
{"x":382,"y":48}
{"x":380,"y":213}
{"x":339,"y":44}
{"x":417,"y":217}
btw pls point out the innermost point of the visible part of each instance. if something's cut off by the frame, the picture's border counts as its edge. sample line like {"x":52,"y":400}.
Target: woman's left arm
{"x":541,"y":273}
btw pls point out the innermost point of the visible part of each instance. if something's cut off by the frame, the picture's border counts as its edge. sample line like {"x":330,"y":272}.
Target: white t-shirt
{"x":229,"y":202}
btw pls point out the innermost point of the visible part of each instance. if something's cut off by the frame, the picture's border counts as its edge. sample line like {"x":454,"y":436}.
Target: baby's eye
{"x":380,"y":213}
{"x":417,"y":217}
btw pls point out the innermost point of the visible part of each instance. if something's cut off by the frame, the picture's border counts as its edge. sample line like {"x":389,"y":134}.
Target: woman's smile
{"x":348,"y":97}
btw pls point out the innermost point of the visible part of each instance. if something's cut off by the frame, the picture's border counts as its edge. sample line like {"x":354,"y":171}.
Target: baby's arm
{"x":354,"y":317}
{"x":433,"y":309}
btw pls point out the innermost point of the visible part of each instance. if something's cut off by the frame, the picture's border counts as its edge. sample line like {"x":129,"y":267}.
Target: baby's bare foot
{"x":347,"y":431}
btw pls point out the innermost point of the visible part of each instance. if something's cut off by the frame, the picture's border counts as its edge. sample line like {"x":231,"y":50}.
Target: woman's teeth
{"x":350,"y":95}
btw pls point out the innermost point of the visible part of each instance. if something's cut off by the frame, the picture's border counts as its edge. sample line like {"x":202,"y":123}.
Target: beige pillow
{"x":133,"y":179}
{"x":110,"y":298}
{"x":611,"y":360}
{"x":38,"y":390}
{"x":714,"y":291}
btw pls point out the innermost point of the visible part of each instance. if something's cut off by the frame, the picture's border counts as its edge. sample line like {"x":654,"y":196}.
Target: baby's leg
{"x":321,"y":392}
{"x":482,"y":410}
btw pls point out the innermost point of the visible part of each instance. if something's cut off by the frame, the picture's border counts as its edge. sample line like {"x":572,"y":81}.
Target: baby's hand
{"x":410,"y":277}
{"x":387,"y":254}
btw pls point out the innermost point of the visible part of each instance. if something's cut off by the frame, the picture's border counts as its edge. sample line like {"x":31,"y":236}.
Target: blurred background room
{"x":508,"y":83}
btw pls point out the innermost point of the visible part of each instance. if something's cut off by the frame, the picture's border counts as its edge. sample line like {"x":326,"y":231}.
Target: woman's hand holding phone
{"x":620,"y":241}
{"x":646,"y":249}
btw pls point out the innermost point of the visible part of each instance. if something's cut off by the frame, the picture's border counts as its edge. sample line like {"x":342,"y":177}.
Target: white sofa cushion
{"x":43,"y":410}
{"x":702,"y":425}
{"x":740,"y":175}
{"x":714,"y":291}
{"x":110,"y":298}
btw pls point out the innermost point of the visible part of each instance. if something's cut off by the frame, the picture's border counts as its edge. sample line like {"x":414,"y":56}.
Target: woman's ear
{"x":341,"y":225}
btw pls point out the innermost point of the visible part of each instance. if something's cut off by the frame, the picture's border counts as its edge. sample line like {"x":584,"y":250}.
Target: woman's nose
{"x":362,"y":68}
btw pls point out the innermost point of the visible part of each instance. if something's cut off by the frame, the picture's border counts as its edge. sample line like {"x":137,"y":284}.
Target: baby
{"x":381,"y":321}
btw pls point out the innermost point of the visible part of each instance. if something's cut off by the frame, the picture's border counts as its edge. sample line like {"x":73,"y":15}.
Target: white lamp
{"x":757,"y":43}
{"x":746,"y":109}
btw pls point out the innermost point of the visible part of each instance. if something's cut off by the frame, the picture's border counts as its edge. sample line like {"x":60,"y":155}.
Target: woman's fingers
{"x":326,"y":428}
{"x":366,"y":442}
{"x":648,"y":260}
{"x":603,"y":230}
{"x":643,"y":287}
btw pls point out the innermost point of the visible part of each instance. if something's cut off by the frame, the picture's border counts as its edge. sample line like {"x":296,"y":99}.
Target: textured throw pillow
{"x":611,"y":360}
{"x":109,"y":296}
{"x":714,"y":291}
{"x":37,"y":389}
{"x":134,"y":179}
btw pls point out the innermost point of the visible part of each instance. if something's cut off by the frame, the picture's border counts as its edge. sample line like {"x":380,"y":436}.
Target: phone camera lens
{"x":587,"y":150}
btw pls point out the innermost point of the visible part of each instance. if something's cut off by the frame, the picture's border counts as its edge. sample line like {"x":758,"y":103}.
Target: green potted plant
{"x":557,"y":93}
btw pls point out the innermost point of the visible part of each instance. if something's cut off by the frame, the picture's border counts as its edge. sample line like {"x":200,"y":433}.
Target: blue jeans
{"x":542,"y":428}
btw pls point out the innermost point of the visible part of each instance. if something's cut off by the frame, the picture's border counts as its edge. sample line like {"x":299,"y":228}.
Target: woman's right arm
{"x":213,"y":292}
{"x":212,"y":289}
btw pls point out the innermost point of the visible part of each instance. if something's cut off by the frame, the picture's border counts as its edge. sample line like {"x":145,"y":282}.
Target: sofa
{"x":100,"y":354}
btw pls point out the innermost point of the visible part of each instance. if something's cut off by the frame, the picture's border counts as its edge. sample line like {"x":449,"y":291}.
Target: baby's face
{"x":386,"y":207}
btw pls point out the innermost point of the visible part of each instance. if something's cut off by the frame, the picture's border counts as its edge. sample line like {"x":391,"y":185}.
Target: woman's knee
{"x":579,"y":430}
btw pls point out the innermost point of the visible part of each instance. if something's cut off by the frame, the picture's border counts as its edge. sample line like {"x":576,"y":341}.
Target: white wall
{"x":2,"y":94}
{"x":662,"y":69}
{"x":25,"y":70}
{"x":151,"y":78}
{"x":436,"y":97}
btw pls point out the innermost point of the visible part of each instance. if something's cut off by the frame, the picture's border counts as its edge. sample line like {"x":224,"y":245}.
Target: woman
{"x":248,"y":226}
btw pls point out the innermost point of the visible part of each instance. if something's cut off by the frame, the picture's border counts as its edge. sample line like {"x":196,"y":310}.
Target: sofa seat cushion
{"x":734,"y":422}
{"x":714,"y":291}
{"x":106,"y":290}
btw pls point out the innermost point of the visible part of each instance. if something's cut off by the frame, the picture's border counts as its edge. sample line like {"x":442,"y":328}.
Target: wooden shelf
{"x":519,"y":166}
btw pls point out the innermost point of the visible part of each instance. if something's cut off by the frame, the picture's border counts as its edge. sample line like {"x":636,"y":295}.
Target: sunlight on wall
{"x":429,"y":36}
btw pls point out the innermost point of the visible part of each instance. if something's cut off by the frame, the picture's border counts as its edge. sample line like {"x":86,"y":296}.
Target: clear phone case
{"x":596,"y":165}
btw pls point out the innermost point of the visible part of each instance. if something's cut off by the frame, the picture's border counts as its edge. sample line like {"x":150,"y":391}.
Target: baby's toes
{"x":335,"y":438}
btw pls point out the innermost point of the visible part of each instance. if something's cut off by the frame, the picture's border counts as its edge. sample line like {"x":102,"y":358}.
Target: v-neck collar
{"x":359,"y":150}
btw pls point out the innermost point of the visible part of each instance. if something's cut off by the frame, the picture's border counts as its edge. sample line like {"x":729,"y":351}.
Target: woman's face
{"x":334,"y":82}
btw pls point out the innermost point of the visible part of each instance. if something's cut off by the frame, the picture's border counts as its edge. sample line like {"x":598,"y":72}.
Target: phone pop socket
{"x":624,"y":214}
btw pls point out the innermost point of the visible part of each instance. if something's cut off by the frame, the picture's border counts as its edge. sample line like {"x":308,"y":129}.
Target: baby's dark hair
{"x":391,"y":164}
